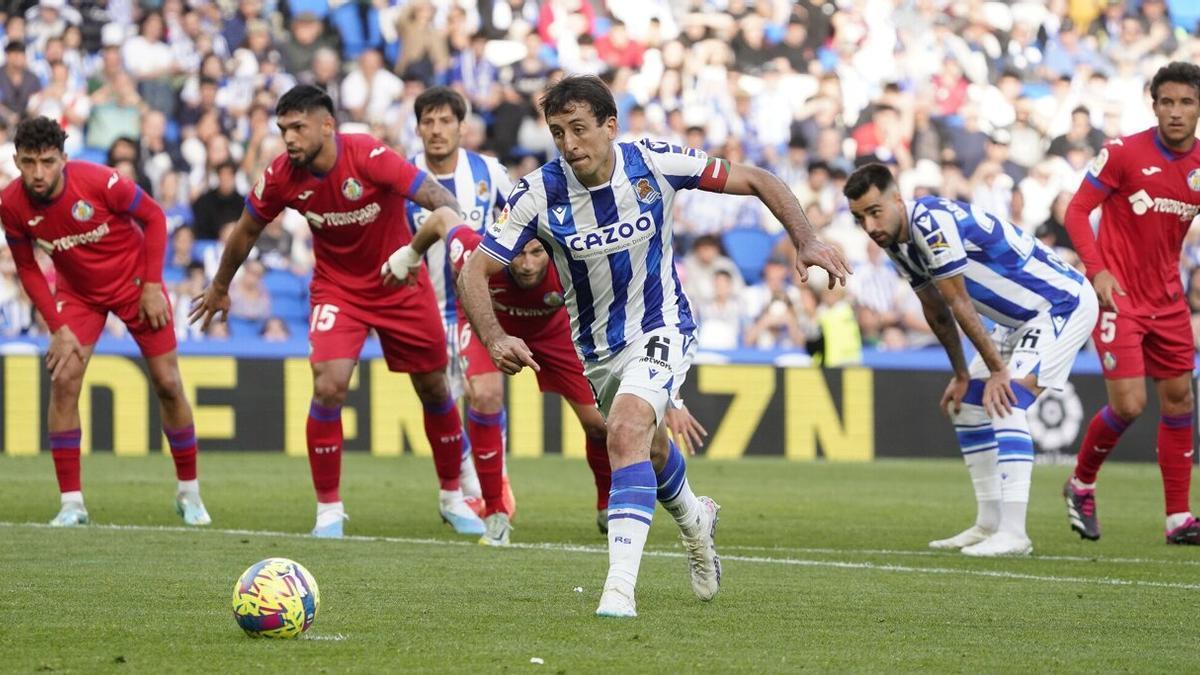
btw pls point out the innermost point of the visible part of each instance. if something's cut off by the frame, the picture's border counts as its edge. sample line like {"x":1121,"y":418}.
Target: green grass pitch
{"x":826,"y":569}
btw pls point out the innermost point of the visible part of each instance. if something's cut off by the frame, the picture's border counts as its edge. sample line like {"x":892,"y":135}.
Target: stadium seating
{"x":749,"y":249}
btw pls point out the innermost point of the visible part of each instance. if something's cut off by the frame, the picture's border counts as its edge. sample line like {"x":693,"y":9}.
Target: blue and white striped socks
{"x":630,"y":512}
{"x":1015,"y":460}
{"x":977,"y":441}
{"x":676,"y":494}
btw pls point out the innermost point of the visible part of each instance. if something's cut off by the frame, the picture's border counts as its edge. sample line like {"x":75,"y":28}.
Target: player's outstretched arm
{"x":432,"y":195}
{"x":215,"y":299}
{"x":402,"y":265}
{"x":510,"y":354}
{"x":941,"y":322}
{"x":810,"y":251}
{"x":998,"y":396}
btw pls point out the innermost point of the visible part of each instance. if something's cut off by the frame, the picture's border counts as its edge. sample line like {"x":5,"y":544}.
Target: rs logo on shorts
{"x":610,"y":239}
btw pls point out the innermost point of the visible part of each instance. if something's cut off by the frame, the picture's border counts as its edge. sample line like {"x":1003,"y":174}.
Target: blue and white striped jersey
{"x":480,"y":184}
{"x":1011,"y":276}
{"x":611,"y":244}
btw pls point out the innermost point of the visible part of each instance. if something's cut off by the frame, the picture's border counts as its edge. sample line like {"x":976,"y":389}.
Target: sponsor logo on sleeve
{"x":112,"y":180}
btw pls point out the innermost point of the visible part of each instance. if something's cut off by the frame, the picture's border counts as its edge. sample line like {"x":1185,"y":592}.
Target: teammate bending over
{"x":963,"y":262}
{"x":604,"y":209}
{"x":83,"y":214}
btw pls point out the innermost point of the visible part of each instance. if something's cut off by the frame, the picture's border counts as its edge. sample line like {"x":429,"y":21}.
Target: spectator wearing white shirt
{"x":370,"y":90}
{"x":148,"y":58}
{"x":720,"y":315}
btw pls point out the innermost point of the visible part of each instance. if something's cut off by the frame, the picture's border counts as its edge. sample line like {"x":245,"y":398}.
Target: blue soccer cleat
{"x":332,"y":527}
{"x":462,"y":518}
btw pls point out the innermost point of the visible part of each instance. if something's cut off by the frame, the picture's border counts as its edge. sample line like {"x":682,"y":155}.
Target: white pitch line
{"x":338,"y":637}
{"x":576,"y":548}
{"x":951,"y":554}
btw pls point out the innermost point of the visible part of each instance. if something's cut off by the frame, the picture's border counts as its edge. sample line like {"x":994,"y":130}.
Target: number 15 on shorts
{"x":323,"y":317}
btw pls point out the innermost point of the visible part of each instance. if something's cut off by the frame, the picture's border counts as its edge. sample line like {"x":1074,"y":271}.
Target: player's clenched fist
{"x":207,"y":305}
{"x":511,"y":354}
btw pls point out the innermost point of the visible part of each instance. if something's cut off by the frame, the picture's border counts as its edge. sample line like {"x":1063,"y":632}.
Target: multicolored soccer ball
{"x":275,"y":598}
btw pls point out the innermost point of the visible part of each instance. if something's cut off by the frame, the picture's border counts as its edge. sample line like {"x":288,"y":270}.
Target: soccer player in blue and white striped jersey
{"x":963,"y":263}
{"x":603,"y":209}
{"x":480,"y":185}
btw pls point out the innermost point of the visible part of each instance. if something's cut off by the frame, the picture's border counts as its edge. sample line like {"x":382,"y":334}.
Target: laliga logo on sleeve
{"x":456,"y":250}
{"x":1099,"y":162}
{"x":82,"y":211}
{"x":352,"y":189}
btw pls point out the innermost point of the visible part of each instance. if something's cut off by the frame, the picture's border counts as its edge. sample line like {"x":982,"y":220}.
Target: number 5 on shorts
{"x":1108,"y":326}
{"x":323,"y":317}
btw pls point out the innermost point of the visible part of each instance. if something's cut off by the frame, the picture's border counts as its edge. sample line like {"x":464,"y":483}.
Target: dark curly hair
{"x":1178,"y":72}
{"x":39,"y":134}
{"x":304,"y":98}
{"x":576,"y":89}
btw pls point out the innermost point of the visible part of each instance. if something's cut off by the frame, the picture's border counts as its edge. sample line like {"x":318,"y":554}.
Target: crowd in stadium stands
{"x":1003,"y":104}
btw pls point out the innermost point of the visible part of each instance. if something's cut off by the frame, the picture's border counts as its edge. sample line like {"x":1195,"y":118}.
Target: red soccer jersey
{"x":1152,"y":196}
{"x":97,"y":248}
{"x":521,"y":311}
{"x":356,"y":211}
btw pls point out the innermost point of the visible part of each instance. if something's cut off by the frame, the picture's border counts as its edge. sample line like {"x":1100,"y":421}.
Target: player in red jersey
{"x":352,"y":189}
{"x":528,"y":298}
{"x":82,"y":215}
{"x":529,"y":303}
{"x":1149,"y":187}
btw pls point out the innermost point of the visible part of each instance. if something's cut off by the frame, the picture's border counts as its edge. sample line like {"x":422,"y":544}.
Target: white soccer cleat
{"x":704,"y":564}
{"x":329,"y":525}
{"x":616,"y":605}
{"x":498,"y":530}
{"x":968,"y":537}
{"x":191,"y":509}
{"x":70,"y":515}
{"x":456,"y":513}
{"x":1000,"y":544}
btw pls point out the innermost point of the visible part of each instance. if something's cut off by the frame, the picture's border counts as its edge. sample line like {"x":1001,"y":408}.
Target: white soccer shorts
{"x":652,"y":367}
{"x":1044,"y":345}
